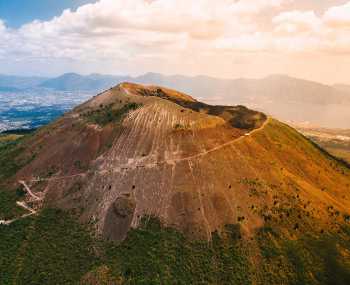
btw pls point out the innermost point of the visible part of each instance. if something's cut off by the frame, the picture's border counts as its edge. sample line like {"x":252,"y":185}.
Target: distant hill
{"x":281,"y":87}
{"x":20,"y":82}
{"x":287,"y":98}
{"x":77,"y":82}
{"x":9,"y":89}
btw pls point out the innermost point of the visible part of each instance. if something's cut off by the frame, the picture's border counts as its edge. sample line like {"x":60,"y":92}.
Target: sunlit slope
{"x":191,"y":192}
{"x":134,"y":151}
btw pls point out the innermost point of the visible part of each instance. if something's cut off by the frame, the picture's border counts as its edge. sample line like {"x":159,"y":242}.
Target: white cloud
{"x":202,"y":18}
{"x":338,"y":17}
{"x":153,"y":33}
{"x":121,"y":29}
{"x":305,"y":31}
{"x":297,"y":22}
{"x":246,"y":43}
{"x":2,"y":26}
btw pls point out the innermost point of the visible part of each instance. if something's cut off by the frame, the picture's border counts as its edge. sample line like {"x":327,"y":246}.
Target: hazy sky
{"x":222,"y":38}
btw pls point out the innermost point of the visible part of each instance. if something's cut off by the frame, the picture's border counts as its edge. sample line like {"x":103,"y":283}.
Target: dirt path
{"x":140,"y":164}
{"x":58,"y":177}
{"x":29,"y":191}
{"x":220,"y":146}
{"x":24,"y":205}
{"x":133,"y":165}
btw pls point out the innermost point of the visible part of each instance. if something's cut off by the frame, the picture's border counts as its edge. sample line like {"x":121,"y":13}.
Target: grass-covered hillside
{"x":53,"y":248}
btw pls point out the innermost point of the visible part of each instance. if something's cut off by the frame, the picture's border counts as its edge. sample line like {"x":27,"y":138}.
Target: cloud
{"x":118,"y":29}
{"x":153,"y":33}
{"x":305,"y":31}
{"x":2,"y":26}
{"x":201,"y":18}
{"x":297,"y":22}
{"x":338,"y":17}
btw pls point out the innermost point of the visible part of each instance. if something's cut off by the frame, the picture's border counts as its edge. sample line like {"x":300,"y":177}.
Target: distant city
{"x":33,"y":108}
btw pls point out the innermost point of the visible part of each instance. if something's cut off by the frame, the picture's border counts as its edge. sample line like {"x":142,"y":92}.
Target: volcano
{"x":139,"y":153}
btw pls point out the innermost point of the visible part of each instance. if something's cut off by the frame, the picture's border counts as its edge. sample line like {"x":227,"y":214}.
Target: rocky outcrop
{"x":119,"y":217}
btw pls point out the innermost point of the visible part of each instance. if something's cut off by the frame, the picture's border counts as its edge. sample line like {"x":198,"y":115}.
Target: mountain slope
{"x":342,"y":88}
{"x":166,"y":174}
{"x":335,"y":141}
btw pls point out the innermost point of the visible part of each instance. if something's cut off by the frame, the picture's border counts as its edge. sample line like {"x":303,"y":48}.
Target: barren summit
{"x":140,"y":142}
{"x":139,"y":152}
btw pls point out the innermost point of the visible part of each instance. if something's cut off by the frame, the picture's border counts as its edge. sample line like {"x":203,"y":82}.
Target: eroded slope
{"x":241,"y":198}
{"x":136,"y":151}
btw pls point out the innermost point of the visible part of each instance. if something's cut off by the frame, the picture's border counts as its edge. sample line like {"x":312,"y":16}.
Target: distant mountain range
{"x":77,"y":82}
{"x":9,"y":89}
{"x":20,"y":82}
{"x":287,"y":98}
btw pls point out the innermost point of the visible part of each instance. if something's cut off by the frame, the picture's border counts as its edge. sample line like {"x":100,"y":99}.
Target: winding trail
{"x":138,"y":163}
{"x":29,"y":191}
{"x":133,"y":165}
{"x":24,"y":205}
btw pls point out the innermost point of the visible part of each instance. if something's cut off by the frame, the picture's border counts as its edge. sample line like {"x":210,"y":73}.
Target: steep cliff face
{"x":136,"y":151}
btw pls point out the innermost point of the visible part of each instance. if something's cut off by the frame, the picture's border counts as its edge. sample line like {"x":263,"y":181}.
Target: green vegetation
{"x":153,"y":254}
{"x":10,"y":155}
{"x":12,"y":243}
{"x":8,"y":207}
{"x":5,"y":139}
{"x":53,"y":248}
{"x":49,"y":249}
{"x":252,"y":182}
{"x":107,"y":114}
{"x":9,"y":150}
{"x":307,"y":260}
{"x":180,"y":127}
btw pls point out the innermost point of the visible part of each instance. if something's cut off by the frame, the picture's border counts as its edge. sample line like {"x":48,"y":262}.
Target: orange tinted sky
{"x":222,"y":38}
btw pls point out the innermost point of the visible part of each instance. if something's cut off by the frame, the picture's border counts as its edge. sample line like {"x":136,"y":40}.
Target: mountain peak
{"x":154,"y":90}
{"x":70,"y":74}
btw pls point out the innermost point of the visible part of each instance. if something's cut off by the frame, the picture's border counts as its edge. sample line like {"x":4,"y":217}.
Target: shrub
{"x":107,"y":114}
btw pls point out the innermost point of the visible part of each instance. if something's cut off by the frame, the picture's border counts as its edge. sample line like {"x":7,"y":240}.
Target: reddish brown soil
{"x":194,"y":170}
